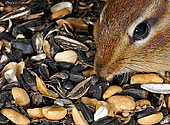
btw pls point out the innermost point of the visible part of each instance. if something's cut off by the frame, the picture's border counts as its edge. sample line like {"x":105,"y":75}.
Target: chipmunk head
{"x":133,"y":35}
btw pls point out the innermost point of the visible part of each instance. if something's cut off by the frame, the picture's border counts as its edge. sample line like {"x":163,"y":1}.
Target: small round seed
{"x":143,"y":102}
{"x":145,"y":79}
{"x":151,"y":119}
{"x":66,"y":56}
{"x":111,"y":90}
{"x":89,"y":101}
{"x":54,"y":112}
{"x":78,"y":117}
{"x":15,"y":116}
{"x":120,"y":103}
{"x":35,"y":113}
{"x":21,"y":97}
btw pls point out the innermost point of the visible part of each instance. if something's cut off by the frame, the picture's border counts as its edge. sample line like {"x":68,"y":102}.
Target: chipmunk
{"x":133,"y":35}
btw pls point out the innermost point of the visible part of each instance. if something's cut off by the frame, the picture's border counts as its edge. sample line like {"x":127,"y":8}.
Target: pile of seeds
{"x":46,"y":63}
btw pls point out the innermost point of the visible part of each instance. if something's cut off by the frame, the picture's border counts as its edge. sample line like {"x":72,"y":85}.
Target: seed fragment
{"x":145,"y":79}
{"x":38,"y":57}
{"x":151,"y":119}
{"x":2,"y":29}
{"x":169,"y":102}
{"x":20,"y":67}
{"x":70,"y":43}
{"x":21,"y":12}
{"x":111,"y":90}
{"x":78,"y":117}
{"x":105,"y":104}
{"x":54,"y":112}
{"x":89,"y":101}
{"x":35,"y":113}
{"x":78,"y":23}
{"x":59,"y":13}
{"x":10,"y":75}
{"x":21,"y":97}
{"x":46,"y":47}
{"x":101,"y":112}
{"x":66,"y":56}
{"x":120,"y":103}
{"x":15,"y":116}
{"x":143,"y":102}
{"x":157,"y":88}
{"x":43,"y":89}
{"x":62,"y":5}
{"x":80,"y":89}
{"x":10,"y":65}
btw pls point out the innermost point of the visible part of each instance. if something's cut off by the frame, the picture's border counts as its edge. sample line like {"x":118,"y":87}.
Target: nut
{"x":151,"y":119}
{"x":15,"y":116}
{"x":35,"y":113}
{"x":120,"y":103}
{"x":54,"y":112}
{"x":111,"y":90}
{"x":21,"y":97}
{"x":145,"y":79}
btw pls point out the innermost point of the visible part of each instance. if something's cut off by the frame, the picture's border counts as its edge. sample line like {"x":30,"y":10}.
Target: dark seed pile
{"x":46,"y":64}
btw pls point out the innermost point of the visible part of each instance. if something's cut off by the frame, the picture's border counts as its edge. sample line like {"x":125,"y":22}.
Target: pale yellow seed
{"x":35,"y":113}
{"x":78,"y":117}
{"x":145,"y":79}
{"x":151,"y":119}
{"x":21,"y":97}
{"x":15,"y":116}
{"x":111,"y":90}
{"x":54,"y":112}
{"x":143,"y":102}
{"x":120,"y":103}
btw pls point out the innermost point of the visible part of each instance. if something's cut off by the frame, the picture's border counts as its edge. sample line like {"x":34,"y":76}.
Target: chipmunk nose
{"x":100,"y":69}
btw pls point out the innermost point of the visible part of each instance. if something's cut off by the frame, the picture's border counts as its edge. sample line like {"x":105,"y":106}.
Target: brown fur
{"x":115,"y":52}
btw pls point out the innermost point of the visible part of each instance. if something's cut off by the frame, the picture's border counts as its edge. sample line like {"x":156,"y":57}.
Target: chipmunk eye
{"x":141,"y":31}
